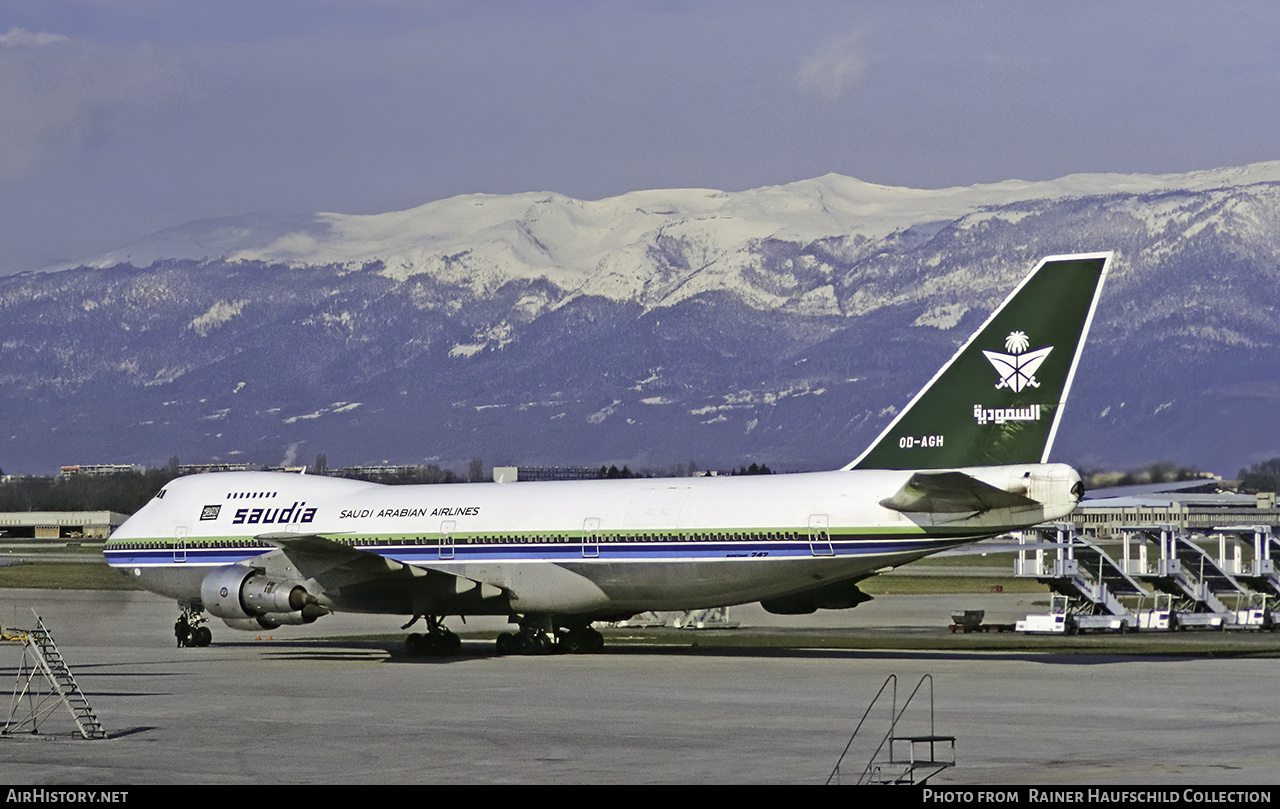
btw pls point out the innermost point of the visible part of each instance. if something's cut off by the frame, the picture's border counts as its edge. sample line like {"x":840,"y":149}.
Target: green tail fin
{"x":1000,"y":398}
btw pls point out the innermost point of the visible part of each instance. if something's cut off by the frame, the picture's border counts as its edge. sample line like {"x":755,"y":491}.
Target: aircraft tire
{"x":540,"y":645}
{"x":582,"y":641}
{"x":201,"y":636}
{"x":439,"y":643}
{"x":509,"y":643}
{"x":596,"y":641}
{"x":452,"y":643}
{"x":576,"y":642}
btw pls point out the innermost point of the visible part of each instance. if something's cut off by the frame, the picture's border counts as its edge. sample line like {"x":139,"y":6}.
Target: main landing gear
{"x":190,"y":629}
{"x":535,"y":637}
{"x":437,"y":640}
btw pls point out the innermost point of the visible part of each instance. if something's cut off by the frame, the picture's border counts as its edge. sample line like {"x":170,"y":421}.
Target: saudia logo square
{"x":1017,"y":371}
{"x":210,"y":512}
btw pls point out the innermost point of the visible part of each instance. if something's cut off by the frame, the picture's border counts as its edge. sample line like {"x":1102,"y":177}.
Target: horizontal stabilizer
{"x":951,"y":493}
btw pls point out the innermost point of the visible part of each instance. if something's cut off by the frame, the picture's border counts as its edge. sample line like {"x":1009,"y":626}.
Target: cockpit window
{"x":160,"y":494}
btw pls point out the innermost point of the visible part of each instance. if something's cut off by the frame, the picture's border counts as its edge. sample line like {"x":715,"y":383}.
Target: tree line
{"x":1264,"y":476}
{"x":126,"y":492}
{"x":123,"y":492}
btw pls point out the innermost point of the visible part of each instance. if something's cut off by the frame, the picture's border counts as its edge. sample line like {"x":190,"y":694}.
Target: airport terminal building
{"x":59,"y":524}
{"x":1191,"y":513}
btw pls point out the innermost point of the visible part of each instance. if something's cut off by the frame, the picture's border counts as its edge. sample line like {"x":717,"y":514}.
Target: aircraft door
{"x":820,"y":536}
{"x":447,"y":529}
{"x":180,"y":543}
{"x":591,"y":537}
{"x":292,"y":526}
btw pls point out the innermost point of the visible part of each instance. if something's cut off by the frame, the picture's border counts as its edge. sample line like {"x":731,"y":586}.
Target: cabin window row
{"x":498,"y":539}
{"x":190,"y":544}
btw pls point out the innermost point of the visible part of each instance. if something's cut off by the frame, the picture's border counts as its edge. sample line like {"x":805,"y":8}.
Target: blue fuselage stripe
{"x":567,"y":552}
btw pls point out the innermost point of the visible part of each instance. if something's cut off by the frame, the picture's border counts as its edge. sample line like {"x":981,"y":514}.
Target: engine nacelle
{"x":840,"y":595}
{"x":245,"y":624}
{"x":275,"y":620}
{"x":240,"y":592}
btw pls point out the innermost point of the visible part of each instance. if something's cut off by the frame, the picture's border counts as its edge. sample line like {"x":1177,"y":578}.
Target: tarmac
{"x":313,"y":705}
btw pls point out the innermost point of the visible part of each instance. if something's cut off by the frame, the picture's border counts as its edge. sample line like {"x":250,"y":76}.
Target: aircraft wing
{"x":337,"y":568}
{"x":951,"y":493}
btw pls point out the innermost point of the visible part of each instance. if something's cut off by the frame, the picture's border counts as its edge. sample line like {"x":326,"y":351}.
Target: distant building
{"x":511,"y":474}
{"x":16,"y":478}
{"x":94,"y":469}
{"x":376,"y":471}
{"x":506,"y":474}
{"x":59,"y":524}
{"x":1194,"y":513}
{"x":202,"y":468}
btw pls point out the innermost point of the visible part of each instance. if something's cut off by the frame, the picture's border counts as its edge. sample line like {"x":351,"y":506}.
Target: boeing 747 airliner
{"x":966,"y":459}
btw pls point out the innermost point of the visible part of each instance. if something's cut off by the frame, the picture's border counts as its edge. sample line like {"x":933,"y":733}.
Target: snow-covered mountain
{"x":654,"y":247}
{"x":780,"y":324}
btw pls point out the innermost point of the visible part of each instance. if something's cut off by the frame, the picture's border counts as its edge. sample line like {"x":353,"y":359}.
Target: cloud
{"x":55,"y":92}
{"x":21,"y":37}
{"x":830,"y":71}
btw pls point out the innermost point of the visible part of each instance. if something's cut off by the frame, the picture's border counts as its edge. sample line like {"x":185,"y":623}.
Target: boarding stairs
{"x":1076,"y":568}
{"x":45,"y":682}
{"x":714,"y":618}
{"x":1185,"y":571}
{"x":901,"y":758}
{"x":1259,"y":573}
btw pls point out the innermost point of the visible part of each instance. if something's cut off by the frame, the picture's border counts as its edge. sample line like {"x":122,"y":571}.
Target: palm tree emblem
{"x":1017,"y":369}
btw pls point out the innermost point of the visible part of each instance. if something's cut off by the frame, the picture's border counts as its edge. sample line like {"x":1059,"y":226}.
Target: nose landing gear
{"x":190,"y":629}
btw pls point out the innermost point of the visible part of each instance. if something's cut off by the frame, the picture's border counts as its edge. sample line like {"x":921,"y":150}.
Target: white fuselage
{"x":573,"y":547}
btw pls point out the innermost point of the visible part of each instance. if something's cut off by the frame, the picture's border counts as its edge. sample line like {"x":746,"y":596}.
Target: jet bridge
{"x":1194,"y":580}
{"x":1089,"y":583}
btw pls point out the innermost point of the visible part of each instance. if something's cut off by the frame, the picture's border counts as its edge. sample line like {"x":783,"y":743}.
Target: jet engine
{"x":275,"y":620}
{"x":240,"y":593}
{"x":840,"y":595}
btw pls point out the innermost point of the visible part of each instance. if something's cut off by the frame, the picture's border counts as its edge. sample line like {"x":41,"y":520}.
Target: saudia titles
{"x":1017,"y":371}
{"x":254,"y":516}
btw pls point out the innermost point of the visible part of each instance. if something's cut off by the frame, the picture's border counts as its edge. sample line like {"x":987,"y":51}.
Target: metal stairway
{"x":1260,"y":573}
{"x":43,"y":664}
{"x":1078,"y":569}
{"x":1199,"y":584}
{"x":921,"y":761}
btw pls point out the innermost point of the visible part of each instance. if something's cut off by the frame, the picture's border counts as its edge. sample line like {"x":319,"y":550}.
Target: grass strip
{"x":65,"y":576}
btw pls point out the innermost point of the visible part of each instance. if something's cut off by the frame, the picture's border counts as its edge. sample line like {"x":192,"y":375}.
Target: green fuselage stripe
{"x":554,"y":537}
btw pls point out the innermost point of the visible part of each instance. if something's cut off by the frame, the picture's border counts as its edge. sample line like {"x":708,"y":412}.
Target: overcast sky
{"x":122,"y":117}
